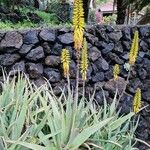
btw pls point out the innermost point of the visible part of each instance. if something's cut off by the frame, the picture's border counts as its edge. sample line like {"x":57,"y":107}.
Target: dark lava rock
{"x":146,"y":84}
{"x":125,"y":56}
{"x":101,"y":64}
{"x":52,"y":61}
{"x":73,"y":83}
{"x":115,"y":36}
{"x":104,"y":64}
{"x":101,"y":33}
{"x":144,"y":46}
{"x":115,"y":58}
{"x":112,"y":85}
{"x":89,"y":72}
{"x":35,"y":54}
{"x":46,"y":47}
{"x":20,"y":66}
{"x":9,"y":50}
{"x":66,"y":38}
{"x":147,"y":55}
{"x":126,"y":32}
{"x":99,"y":76}
{"x":126,"y":45}
{"x":139,"y":60}
{"x":1,"y":36}
{"x":73,"y":70}
{"x":99,"y":97}
{"x":89,"y":45}
{"x":25,"y":49}
{"x":12,"y":39}
{"x":144,"y":31}
{"x":8,"y":59}
{"x":133,"y":73}
{"x":99,"y":85}
{"x":89,"y":90}
{"x":31,"y":37}
{"x":56,"y":50}
{"x":118,"y":49}
{"x":108,"y":48}
{"x":134,"y":84}
{"x":109,"y":28}
{"x":64,"y":30}
{"x":109,"y":74}
{"x":142,"y":130}
{"x":142,"y":73}
{"x":48,"y":35}
{"x":53,"y":75}
{"x":146,"y":64}
{"x":101,"y":44}
{"x":71,"y":51}
{"x":141,"y":54}
{"x":94,"y":54}
{"x":39,"y":81}
{"x":34,"y":70}
{"x":126,"y":103}
{"x":90,"y":30}
{"x":58,"y":87}
{"x":91,"y":38}
{"x":146,"y":95}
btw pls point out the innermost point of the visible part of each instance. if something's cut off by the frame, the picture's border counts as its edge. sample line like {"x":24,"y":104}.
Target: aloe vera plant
{"x":34,"y":118}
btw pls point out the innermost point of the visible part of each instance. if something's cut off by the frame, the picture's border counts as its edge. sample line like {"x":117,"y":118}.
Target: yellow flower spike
{"x":134,"y":49}
{"x":137,"y":101}
{"x":84,"y":60}
{"x":78,"y":24}
{"x":65,"y":60}
{"x":116,"y":71}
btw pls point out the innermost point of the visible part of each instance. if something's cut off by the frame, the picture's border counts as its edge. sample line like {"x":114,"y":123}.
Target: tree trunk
{"x":36,"y":4}
{"x":86,"y":4}
{"x":121,"y":11}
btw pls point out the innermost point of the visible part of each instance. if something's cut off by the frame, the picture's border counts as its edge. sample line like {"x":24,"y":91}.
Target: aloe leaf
{"x":28,"y":145}
{"x":117,"y":123}
{"x":86,"y":133}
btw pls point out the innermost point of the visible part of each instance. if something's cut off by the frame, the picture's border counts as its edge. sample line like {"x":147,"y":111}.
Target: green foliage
{"x":47,"y":17}
{"x":34,"y":118}
{"x":137,"y":4}
{"x":110,"y":19}
{"x":20,"y":25}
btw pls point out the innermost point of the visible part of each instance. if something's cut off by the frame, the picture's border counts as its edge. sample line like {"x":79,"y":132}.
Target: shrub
{"x":35,"y":118}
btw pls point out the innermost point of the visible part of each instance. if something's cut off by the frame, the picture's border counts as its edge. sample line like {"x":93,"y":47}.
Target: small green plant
{"x":110,"y":19}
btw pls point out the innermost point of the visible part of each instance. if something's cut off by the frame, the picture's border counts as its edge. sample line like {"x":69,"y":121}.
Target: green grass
{"x":47,"y":20}
{"x":28,"y":24}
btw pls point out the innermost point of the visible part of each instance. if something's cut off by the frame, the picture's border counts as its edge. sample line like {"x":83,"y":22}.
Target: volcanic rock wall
{"x":37,"y":53}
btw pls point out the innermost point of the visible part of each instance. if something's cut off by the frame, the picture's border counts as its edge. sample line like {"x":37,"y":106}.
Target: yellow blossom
{"x":134,"y":49}
{"x":78,"y":24}
{"x":137,"y":101}
{"x":116,"y":71}
{"x":65,"y":60}
{"x":84,"y":60}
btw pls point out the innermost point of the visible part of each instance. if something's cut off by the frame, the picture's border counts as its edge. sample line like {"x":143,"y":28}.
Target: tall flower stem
{"x":83,"y":89}
{"x":126,"y":83}
{"x":77,"y":77}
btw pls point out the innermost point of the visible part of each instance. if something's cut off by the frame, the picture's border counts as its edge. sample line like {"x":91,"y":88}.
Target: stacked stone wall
{"x":37,"y":53}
